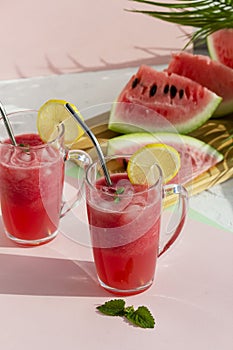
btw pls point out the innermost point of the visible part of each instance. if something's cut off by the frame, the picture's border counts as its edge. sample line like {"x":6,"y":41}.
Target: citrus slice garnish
{"x":51,"y":114}
{"x":140,"y":167}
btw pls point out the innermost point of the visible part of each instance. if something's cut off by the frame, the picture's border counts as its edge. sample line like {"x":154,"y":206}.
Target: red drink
{"x":31,"y":188}
{"x":125,"y":233}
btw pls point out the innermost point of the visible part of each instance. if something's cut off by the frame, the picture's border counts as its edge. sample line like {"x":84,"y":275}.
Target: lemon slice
{"x":51,"y":114}
{"x":140,"y":167}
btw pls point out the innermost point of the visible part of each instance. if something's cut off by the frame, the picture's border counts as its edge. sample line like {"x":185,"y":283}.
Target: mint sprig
{"x":120,"y":190}
{"x":25,"y":147}
{"x":140,"y":317}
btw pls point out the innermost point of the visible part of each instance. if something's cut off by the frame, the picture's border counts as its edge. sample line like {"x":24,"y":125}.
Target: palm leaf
{"x":207,"y":16}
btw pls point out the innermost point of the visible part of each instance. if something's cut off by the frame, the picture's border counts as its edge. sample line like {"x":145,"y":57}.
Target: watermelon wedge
{"x":220,"y":46}
{"x":157,"y":101}
{"x":211,"y":74}
{"x":196,"y":156}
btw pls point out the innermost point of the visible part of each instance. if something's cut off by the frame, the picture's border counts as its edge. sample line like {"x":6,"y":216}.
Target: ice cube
{"x":22,"y":158}
{"x":25,"y":156}
{"x":126,"y":185}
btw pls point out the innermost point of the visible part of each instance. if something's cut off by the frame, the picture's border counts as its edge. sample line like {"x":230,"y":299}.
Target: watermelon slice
{"x":196,"y":156}
{"x":220,"y":46}
{"x":211,"y":74}
{"x":158,"y":101}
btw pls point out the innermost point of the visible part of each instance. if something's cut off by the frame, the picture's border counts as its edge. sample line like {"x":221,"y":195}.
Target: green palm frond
{"x":207,"y":16}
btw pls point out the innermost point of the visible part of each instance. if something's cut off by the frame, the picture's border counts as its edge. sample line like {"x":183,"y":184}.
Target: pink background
{"x":55,"y":37}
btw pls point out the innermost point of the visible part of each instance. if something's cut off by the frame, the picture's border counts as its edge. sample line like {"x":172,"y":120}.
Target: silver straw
{"x":7,"y":124}
{"x":94,"y":140}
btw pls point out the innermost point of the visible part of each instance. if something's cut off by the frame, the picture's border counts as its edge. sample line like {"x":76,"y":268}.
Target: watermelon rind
{"x":211,"y":49}
{"x":194,"y":150}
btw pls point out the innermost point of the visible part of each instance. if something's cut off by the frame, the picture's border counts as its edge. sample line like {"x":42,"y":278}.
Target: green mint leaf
{"x":26,"y":147}
{"x":141,"y":317}
{"x":120,"y":190}
{"x":115,"y":307}
{"x":129,"y":310}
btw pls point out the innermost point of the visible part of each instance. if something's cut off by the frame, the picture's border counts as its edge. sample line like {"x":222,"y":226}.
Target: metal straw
{"x":93,"y":139}
{"x":7,"y":124}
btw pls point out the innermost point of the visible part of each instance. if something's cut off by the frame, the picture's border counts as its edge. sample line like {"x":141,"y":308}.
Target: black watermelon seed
{"x":135,"y":83}
{"x":166,"y":89}
{"x":181,"y":93}
{"x":173,"y":91}
{"x":153,"y":90}
{"x":125,"y":163}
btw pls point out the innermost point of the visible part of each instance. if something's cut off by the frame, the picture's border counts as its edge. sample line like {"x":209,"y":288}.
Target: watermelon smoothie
{"x":124,"y":225}
{"x":32,"y":176}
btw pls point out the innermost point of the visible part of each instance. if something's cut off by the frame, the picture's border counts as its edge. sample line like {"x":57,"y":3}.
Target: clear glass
{"x":125,"y":226}
{"x":31,"y":181}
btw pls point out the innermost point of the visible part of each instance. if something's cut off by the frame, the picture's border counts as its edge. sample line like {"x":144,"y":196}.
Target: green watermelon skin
{"x":196,"y":156}
{"x":157,"y":101}
{"x":209,"y":73}
{"x":220,"y":46}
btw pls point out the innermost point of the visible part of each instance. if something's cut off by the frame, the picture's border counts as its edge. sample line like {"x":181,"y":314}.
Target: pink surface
{"x":56,"y":37}
{"x":49,"y":294}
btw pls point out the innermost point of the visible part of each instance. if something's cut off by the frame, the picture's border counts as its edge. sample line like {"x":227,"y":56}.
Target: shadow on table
{"x":30,"y":275}
{"x":26,"y":275}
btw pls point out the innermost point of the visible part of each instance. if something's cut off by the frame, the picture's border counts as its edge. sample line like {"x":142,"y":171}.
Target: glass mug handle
{"x":82,"y":160}
{"x":170,"y":235}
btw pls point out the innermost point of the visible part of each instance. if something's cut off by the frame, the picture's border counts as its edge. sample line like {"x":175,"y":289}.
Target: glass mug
{"x":31,"y":181}
{"x":124,"y":223}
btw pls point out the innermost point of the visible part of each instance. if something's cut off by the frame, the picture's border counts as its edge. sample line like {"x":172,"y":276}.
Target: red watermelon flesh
{"x":211,"y":74}
{"x":158,"y":101}
{"x":196,"y":156}
{"x":220,"y":46}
